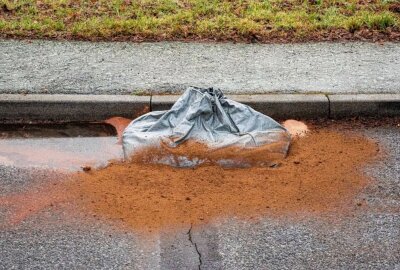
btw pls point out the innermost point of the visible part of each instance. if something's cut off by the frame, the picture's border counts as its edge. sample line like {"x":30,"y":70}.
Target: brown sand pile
{"x":320,"y":174}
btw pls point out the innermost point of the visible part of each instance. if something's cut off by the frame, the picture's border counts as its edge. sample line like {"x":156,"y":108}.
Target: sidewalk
{"x":82,"y":81}
{"x":49,"y":67}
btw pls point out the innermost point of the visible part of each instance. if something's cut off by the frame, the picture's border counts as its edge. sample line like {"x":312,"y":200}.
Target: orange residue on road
{"x":27,"y":204}
{"x":119,"y":123}
{"x":321,"y":174}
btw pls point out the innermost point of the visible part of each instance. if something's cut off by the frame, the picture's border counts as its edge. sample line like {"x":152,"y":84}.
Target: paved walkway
{"x":123,"y":68}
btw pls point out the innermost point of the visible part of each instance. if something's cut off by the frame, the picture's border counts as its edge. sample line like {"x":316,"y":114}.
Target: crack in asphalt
{"x":189,"y":233}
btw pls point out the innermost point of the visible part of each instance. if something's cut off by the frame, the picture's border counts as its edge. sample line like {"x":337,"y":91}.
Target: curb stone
{"x":273,"y":105}
{"x":70,"y":108}
{"x":87,"y":108}
{"x":364,"y":105}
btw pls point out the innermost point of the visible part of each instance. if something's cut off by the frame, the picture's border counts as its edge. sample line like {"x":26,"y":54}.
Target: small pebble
{"x":275,"y":165}
{"x":86,"y":168}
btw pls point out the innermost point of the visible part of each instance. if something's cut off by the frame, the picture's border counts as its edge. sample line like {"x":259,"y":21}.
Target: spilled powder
{"x":321,"y":174}
{"x":295,"y":128}
{"x":119,"y":123}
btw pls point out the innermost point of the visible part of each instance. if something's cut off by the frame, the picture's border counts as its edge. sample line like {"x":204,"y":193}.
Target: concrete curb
{"x":364,"y":105}
{"x":273,"y":105}
{"x":68,"y":108}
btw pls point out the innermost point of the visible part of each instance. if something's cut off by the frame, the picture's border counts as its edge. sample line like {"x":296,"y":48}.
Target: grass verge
{"x":242,"y":20}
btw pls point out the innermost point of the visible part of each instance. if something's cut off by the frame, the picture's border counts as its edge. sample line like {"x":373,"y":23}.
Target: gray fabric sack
{"x":206,"y":116}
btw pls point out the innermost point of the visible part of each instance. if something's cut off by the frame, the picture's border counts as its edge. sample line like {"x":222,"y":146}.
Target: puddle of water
{"x":67,"y":147}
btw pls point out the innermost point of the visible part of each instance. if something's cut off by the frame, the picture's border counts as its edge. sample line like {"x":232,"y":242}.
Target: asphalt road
{"x":55,"y":67}
{"x":367,"y":239}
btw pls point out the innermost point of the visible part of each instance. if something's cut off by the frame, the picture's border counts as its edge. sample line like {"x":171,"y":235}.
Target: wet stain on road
{"x":62,"y":147}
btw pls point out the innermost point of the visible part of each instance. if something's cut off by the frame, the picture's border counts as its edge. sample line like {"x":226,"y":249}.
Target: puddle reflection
{"x":68,"y":152}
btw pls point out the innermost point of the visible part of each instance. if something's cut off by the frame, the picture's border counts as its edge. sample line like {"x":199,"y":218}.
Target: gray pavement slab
{"x":368,"y":238}
{"x":57,"y":67}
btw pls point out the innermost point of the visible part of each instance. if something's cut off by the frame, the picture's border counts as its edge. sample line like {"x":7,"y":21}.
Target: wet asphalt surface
{"x":369,"y":238}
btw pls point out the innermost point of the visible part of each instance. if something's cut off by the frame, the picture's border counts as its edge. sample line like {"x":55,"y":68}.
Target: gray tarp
{"x":207,"y":116}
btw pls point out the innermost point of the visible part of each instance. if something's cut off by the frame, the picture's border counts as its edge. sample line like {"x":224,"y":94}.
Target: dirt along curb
{"x":87,"y":108}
